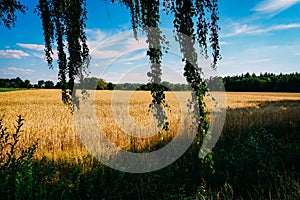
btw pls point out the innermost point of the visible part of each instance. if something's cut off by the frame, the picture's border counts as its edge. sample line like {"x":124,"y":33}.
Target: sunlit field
{"x":256,"y":156}
{"x":50,"y":122}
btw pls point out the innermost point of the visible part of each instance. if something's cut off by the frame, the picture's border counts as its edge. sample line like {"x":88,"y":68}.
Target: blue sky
{"x":256,"y":36}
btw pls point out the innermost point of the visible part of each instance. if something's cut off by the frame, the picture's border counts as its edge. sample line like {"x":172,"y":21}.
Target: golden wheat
{"x":50,"y":121}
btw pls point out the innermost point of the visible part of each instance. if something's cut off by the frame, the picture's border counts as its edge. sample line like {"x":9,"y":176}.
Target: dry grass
{"x":254,"y":99}
{"x":278,"y":112}
{"x":47,"y":119}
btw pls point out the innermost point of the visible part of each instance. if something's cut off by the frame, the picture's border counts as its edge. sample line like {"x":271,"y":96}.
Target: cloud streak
{"x":9,"y":53}
{"x":222,"y":43}
{"x":21,"y":70}
{"x":37,"y":47}
{"x":104,"y":46}
{"x":278,"y":28}
{"x":239,"y":29}
{"x":274,"y":7}
{"x":255,"y":30}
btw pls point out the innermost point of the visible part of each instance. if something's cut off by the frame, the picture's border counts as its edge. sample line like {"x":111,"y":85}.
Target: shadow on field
{"x":280,"y":117}
{"x":259,"y":151}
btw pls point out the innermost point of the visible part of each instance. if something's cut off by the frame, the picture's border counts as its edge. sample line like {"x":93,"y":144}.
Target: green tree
{"x":110,"y":86}
{"x":8,"y":10}
{"x":102,"y":85}
{"x":41,"y":83}
{"x":90,"y":83}
{"x":49,"y":85}
{"x":27,"y":84}
{"x":19,"y":82}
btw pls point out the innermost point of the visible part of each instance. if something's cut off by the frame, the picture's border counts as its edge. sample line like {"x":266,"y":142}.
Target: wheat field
{"x":50,"y":122}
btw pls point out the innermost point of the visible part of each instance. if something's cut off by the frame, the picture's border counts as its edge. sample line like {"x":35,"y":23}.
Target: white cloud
{"x":239,"y":29}
{"x":278,"y":27}
{"x":113,"y":77}
{"x":274,"y":7}
{"x":95,"y":35}
{"x":96,"y":65}
{"x":9,"y":53}
{"x":128,"y":63}
{"x":132,"y":43}
{"x":253,"y":30}
{"x":137,"y":56}
{"x":106,"y":46}
{"x":39,"y":55}
{"x":21,"y":70}
{"x":37,"y":47}
{"x":224,"y":43}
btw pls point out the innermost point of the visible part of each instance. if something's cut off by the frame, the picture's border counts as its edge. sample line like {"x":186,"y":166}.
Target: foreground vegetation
{"x":257,"y":156}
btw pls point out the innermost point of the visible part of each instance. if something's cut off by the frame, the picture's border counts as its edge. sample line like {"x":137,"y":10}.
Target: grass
{"x":68,"y":167}
{"x":11,"y":89}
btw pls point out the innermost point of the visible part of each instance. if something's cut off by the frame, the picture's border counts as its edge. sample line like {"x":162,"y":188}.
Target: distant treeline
{"x":100,"y":84}
{"x":19,"y":83}
{"x":267,"y":82}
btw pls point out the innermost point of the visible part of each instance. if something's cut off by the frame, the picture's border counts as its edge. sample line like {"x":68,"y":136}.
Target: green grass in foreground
{"x":11,"y":89}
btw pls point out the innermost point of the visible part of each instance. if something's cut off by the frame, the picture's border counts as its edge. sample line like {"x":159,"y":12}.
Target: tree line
{"x":19,"y":83}
{"x":267,"y":82}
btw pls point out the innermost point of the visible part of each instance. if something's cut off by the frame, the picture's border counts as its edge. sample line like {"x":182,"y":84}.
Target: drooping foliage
{"x":185,"y":11}
{"x":64,"y":22}
{"x":8,"y":10}
{"x":194,"y":21}
{"x":145,"y":14}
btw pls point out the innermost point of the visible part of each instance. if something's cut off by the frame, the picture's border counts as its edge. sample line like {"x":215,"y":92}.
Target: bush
{"x":253,"y":167}
{"x":16,"y":174}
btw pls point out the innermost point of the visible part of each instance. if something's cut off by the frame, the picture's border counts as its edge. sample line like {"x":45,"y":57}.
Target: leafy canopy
{"x":8,"y":10}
